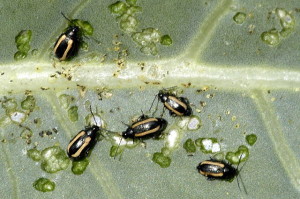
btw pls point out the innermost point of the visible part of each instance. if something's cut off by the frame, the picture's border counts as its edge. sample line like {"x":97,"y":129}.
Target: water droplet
{"x":166,"y":40}
{"x":183,"y":123}
{"x":18,"y":117}
{"x":172,"y":139}
{"x":286,"y":19}
{"x":216,"y":148}
{"x":286,"y":32}
{"x":270,"y":37}
{"x":207,"y":144}
{"x":194,"y":123}
{"x":239,"y":17}
{"x":287,"y":22}
{"x":148,"y":39}
{"x":20,"y":55}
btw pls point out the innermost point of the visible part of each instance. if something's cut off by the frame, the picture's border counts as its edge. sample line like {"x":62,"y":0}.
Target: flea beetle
{"x":219,"y":170}
{"x":145,"y":127}
{"x":68,"y":43}
{"x":214,"y":169}
{"x":83,"y":142}
{"x":177,"y":106}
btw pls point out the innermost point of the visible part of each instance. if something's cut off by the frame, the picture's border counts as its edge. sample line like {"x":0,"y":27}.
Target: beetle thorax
{"x":163,"y":97}
{"x":128,"y":133}
{"x":72,"y":31}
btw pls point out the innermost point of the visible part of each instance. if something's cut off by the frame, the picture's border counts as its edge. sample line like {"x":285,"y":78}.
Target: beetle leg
{"x":210,"y":178}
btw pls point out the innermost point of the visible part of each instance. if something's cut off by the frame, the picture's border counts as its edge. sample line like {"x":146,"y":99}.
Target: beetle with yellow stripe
{"x":177,"y":106}
{"x":220,"y":170}
{"x":145,"y":127}
{"x":214,"y":169}
{"x":80,"y":146}
{"x":68,"y":43}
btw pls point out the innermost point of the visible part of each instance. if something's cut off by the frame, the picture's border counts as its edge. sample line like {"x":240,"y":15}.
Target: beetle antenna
{"x":156,"y":106}
{"x":242,"y":166}
{"x":239,"y":163}
{"x":242,"y":184}
{"x":164,"y":109}
{"x":212,"y":158}
{"x":93,"y":115}
{"x":142,"y":113}
{"x":65,"y":16}
{"x":95,"y":40}
{"x":125,"y":124}
{"x":152,"y":104}
{"x":117,"y":148}
{"x":239,"y":175}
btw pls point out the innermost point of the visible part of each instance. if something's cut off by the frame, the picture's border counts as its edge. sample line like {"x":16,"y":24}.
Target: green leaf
{"x":239,"y":83}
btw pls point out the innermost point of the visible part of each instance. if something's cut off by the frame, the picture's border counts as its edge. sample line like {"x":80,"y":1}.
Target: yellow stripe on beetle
{"x":82,"y":147}
{"x":144,"y":122}
{"x":219,"y":164}
{"x":147,"y":132}
{"x":211,"y":174}
{"x":69,"y":46}
{"x":80,"y":134}
{"x":178,"y":102}
{"x":62,"y":38}
{"x":167,"y":105}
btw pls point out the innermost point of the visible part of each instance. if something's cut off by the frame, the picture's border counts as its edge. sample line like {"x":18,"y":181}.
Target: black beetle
{"x":214,"y":169}
{"x":220,"y":170}
{"x":68,"y":43}
{"x":145,"y":127}
{"x":83,"y":142}
{"x":177,"y":106}
{"x":80,"y":146}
